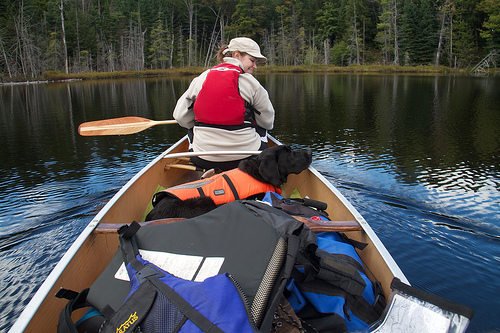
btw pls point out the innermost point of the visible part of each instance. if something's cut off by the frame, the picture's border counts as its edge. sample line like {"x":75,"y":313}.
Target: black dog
{"x":271,"y":167}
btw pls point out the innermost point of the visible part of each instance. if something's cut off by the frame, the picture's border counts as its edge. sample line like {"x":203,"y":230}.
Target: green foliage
{"x":385,"y":28}
{"x":54,"y":51}
{"x":248,"y":19}
{"x":331,"y":19}
{"x":491,"y":26}
{"x":339,"y":53}
{"x":159,"y":47}
{"x":464,"y":43}
{"x":418,"y":31}
{"x":110,"y":35}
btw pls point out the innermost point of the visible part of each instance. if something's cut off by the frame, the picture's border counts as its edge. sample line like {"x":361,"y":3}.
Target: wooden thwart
{"x":329,"y":226}
{"x":314,"y":225}
{"x":181,"y":166}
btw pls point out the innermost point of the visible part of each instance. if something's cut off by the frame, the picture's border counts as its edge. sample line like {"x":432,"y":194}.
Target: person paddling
{"x":226,"y":108}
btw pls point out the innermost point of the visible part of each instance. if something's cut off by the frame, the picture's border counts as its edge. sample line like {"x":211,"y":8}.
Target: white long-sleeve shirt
{"x":216,"y":139}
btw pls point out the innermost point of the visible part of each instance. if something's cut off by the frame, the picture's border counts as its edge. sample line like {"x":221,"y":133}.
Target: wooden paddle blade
{"x":119,"y":126}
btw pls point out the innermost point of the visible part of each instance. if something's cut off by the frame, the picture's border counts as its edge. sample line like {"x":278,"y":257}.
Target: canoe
{"x":78,"y":268}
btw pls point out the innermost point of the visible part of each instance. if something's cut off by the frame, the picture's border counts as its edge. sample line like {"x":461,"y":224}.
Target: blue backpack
{"x":330,"y":290}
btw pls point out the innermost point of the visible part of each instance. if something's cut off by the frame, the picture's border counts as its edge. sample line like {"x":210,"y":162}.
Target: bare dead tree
{"x":395,"y":22}
{"x":5,"y":57}
{"x":172,"y":39}
{"x":26,"y":50}
{"x":213,"y":38}
{"x":63,"y":31}
{"x":190,"y":12}
{"x":356,"y":39}
{"x":446,"y":10}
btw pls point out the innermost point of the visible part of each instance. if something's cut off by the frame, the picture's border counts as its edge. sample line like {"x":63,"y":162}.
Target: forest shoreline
{"x":53,"y":76}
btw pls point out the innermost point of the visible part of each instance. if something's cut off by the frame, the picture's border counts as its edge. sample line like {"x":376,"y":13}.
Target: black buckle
{"x":147,"y":271}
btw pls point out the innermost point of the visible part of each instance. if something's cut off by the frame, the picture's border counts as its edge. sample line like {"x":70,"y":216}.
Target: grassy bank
{"x":53,"y":76}
{"x":362,"y":69}
{"x":57,"y":76}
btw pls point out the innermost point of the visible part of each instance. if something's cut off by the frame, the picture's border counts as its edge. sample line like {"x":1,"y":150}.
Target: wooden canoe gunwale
{"x":128,"y":204}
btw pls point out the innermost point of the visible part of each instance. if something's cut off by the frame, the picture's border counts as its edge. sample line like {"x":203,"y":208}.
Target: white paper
{"x":180,"y":265}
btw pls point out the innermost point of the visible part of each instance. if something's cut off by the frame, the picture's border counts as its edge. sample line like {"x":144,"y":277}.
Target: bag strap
{"x":298,"y":206}
{"x":128,"y":243}
{"x":76,"y":301}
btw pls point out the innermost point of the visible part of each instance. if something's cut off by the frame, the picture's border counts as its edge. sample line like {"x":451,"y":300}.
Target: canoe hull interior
{"x":96,"y":251}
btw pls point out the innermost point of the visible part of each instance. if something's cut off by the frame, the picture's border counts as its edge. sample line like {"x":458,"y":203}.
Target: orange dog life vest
{"x":223,"y":188}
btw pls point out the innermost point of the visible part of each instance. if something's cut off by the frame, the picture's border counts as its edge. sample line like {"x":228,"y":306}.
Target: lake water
{"x":418,"y":156}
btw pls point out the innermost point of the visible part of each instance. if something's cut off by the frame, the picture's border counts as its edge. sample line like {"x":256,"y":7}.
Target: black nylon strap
{"x":132,"y":313}
{"x":128,"y":250}
{"x":356,"y":244}
{"x":200,"y":192}
{"x":224,"y":127}
{"x":107,"y":311}
{"x":66,"y":293}
{"x":129,"y":231}
{"x":128,"y":243}
{"x":231,"y":186}
{"x":252,"y":108}
{"x":341,"y":258}
{"x":66,"y":324}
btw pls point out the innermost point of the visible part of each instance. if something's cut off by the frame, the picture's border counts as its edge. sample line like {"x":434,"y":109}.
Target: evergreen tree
{"x":385,"y":31}
{"x":418,"y":31}
{"x":159,"y":45}
{"x":466,"y":26}
{"x":332,"y":20}
{"x":247,"y":19}
{"x":109,"y":35}
{"x":491,"y":26}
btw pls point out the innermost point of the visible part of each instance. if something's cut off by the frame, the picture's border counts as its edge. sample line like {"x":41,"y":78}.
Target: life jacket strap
{"x":231,"y":186}
{"x":200,"y":191}
{"x":224,"y":127}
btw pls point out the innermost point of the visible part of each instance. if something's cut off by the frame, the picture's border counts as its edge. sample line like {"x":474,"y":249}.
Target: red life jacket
{"x":219,"y":101}
{"x":223,"y":188}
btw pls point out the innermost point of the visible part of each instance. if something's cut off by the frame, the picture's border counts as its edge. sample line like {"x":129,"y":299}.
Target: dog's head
{"x":276,"y":163}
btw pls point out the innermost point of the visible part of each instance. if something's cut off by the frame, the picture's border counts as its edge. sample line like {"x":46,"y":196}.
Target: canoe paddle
{"x":119,"y":126}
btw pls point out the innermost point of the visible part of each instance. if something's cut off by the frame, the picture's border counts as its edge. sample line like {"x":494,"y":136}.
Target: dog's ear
{"x":268,"y":169}
{"x":269,"y":164}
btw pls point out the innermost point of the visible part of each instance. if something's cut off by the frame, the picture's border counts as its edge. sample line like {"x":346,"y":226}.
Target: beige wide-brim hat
{"x":246,"y":45}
